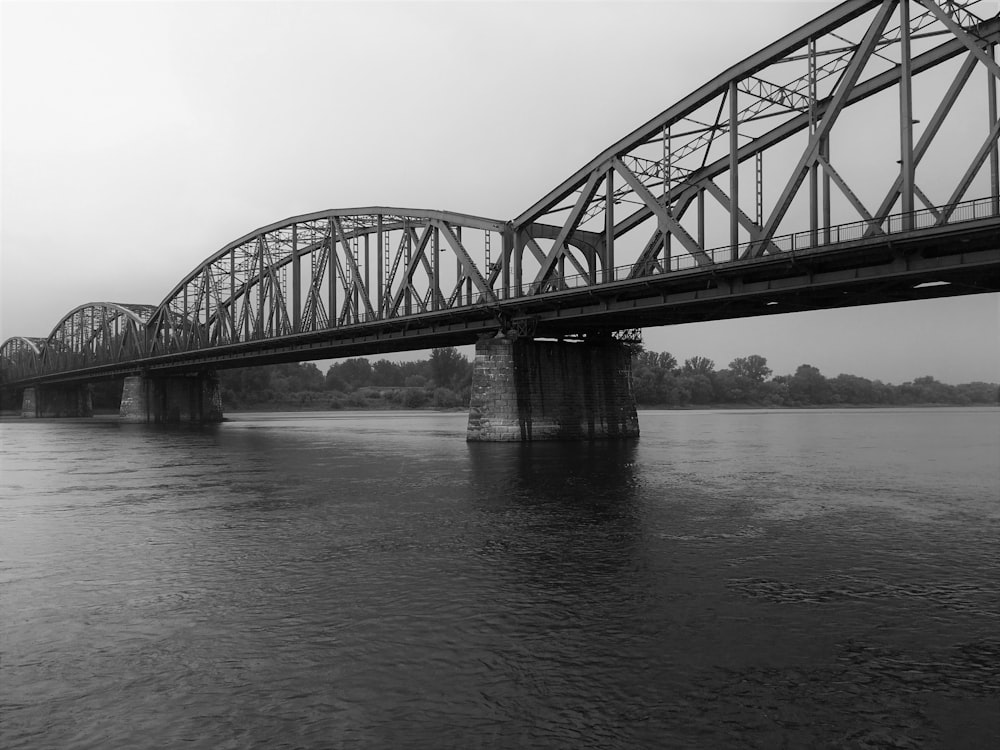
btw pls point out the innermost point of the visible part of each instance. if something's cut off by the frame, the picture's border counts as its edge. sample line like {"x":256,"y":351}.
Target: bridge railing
{"x":926,"y":218}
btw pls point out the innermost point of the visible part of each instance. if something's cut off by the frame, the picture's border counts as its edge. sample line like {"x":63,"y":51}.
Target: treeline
{"x":444,"y":380}
{"x":659,"y":380}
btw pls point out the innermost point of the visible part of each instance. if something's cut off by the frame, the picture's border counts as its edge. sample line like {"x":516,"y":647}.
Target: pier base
{"x":57,"y":401}
{"x":551,"y":390}
{"x":192,"y":398}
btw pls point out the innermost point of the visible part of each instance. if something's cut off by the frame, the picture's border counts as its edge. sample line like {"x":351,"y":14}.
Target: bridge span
{"x":770,"y":189}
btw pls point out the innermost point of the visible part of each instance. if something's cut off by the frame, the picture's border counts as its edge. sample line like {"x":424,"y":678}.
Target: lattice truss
{"x":93,"y":334}
{"x":875,"y":118}
{"x":20,"y":357}
{"x":333,"y":269}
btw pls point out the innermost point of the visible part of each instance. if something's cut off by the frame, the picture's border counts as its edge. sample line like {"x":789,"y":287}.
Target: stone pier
{"x":57,"y":401}
{"x":524,"y":389}
{"x":173,"y":399}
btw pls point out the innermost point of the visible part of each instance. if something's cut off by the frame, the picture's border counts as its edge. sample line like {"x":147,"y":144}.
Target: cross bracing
{"x":872,"y":124}
{"x":326,"y":270}
{"x":763,"y":151}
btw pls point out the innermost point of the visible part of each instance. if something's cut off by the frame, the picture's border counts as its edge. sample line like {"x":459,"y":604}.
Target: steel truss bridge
{"x":853,"y":161}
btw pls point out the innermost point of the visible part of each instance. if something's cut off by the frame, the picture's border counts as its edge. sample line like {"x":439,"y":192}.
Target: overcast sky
{"x":138,"y":138}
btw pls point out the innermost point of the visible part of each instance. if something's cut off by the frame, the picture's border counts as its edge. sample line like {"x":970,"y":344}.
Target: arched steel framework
{"x":97,"y":333}
{"x":20,"y":357}
{"x":829,"y":110}
{"x":876,"y":119}
{"x":332,"y":269}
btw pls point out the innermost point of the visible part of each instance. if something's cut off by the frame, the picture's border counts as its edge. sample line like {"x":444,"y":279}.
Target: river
{"x":731,"y":579}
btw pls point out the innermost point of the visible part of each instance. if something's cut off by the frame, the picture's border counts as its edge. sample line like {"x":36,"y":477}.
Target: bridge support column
{"x":29,"y":403}
{"x":57,"y":401}
{"x":551,"y":390}
{"x":173,"y":399}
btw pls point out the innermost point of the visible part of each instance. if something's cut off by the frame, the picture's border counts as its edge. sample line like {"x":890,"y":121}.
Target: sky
{"x":138,"y":138}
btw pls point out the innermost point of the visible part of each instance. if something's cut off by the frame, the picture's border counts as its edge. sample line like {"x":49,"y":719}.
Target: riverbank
{"x":387,"y":406}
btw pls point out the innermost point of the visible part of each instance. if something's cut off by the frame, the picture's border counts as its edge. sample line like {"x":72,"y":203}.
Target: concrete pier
{"x":194,"y":398}
{"x":551,"y":390}
{"x":57,"y":401}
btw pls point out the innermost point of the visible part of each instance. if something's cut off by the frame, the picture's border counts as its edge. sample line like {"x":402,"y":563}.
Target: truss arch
{"x":97,"y":333}
{"x":765,"y":158}
{"x":332,"y":268}
{"x":21,"y":357}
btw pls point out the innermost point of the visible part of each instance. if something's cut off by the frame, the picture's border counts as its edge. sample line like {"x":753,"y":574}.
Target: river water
{"x":743,"y":579}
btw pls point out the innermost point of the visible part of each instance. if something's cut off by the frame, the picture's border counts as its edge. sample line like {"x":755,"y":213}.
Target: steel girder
{"x":95,"y":334}
{"x":20,"y":357}
{"x":332,"y":269}
{"x":847,"y":79}
{"x":683,"y":193}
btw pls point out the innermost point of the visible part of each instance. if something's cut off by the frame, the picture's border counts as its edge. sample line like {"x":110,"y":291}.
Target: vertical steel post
{"x":331,"y":263}
{"x":104,"y":333}
{"x":991,"y":94}
{"x":734,"y":175}
{"x":386,"y":270}
{"x":814,"y":165}
{"x":701,"y":221}
{"x":665,"y":166}
{"x":508,"y":248}
{"x":234,"y":334}
{"x":367,"y":265}
{"x":458,"y":265}
{"x":296,"y":282}
{"x":608,"y":272}
{"x":208,"y":305}
{"x":246,"y":303}
{"x":459,"y":272}
{"x":824,"y":149}
{"x":379,"y":250}
{"x":516,"y":261}
{"x":668,"y":180}
{"x":759,"y":175}
{"x":260,"y":289}
{"x":405,"y":281}
{"x":905,"y":116}
{"x":435,"y":267}
{"x":353,"y":274}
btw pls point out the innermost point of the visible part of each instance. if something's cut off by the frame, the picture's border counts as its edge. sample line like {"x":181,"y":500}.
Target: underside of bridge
{"x":838,"y":166}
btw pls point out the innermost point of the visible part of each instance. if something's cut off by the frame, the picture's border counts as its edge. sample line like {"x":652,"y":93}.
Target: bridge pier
{"x":172,"y":399}
{"x":57,"y":401}
{"x":551,"y":390}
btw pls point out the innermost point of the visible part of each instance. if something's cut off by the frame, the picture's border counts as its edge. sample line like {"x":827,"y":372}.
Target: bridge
{"x":851,"y":162}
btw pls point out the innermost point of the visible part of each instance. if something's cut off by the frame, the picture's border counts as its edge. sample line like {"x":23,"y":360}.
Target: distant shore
{"x":314,"y":407}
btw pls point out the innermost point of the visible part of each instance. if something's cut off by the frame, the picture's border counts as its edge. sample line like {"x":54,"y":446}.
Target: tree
{"x":744,"y":379}
{"x":386,"y":373}
{"x":808,"y":386}
{"x":851,"y":389}
{"x":699,"y":366}
{"x":752,"y":369}
{"x":449,"y":369}
{"x":927,"y":390}
{"x":305,"y":376}
{"x":655,"y":381}
{"x":664,"y":361}
{"x":354,"y":373}
{"x":978,"y":393}
{"x":700,"y":388}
